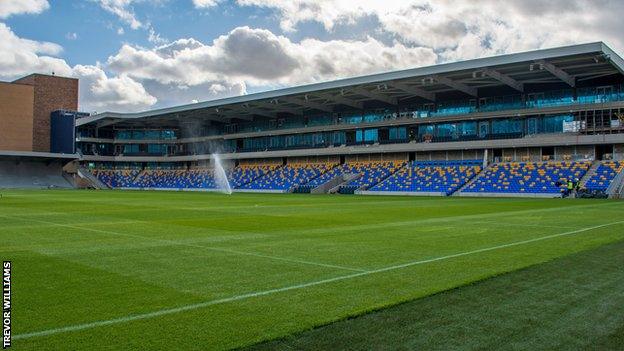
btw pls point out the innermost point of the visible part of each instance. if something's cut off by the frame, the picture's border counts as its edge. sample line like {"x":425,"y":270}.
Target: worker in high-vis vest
{"x":570,"y":187}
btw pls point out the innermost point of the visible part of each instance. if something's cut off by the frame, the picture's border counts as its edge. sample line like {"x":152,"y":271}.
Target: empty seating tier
{"x":427,"y":177}
{"x":288,"y":177}
{"x":330,"y":174}
{"x":371,"y":173}
{"x":443,"y":177}
{"x":116,"y":178}
{"x":245,"y":174}
{"x":175,"y":179}
{"x":528,"y":177}
{"x":604,"y":175}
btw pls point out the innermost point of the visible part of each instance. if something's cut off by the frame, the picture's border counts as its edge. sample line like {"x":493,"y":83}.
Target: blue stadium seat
{"x":116,"y":178}
{"x":431,"y":177}
{"x":244,"y":174}
{"x":288,"y":177}
{"x":528,"y":177}
{"x":176,"y":179}
{"x":199,"y":178}
{"x":604,"y":175}
{"x":330,"y":174}
{"x":371,"y":173}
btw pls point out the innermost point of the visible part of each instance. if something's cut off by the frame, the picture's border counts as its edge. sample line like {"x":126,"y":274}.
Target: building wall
{"x":618,"y":151}
{"x":50,"y":93}
{"x":314,"y":159}
{"x":16,"y":117}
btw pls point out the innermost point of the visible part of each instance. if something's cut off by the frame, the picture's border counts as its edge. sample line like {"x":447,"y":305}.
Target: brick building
{"x":25,"y":108}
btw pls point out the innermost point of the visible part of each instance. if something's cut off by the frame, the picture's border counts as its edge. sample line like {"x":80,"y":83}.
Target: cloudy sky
{"x":133,"y":55}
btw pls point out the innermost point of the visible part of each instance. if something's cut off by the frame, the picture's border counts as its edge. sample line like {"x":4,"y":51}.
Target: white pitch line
{"x":191,"y":307}
{"x":385,"y":225}
{"x":173,"y":242}
{"x":445,"y":220}
{"x":522,"y":225}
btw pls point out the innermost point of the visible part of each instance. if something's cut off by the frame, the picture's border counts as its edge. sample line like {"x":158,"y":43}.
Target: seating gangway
{"x":469,"y":182}
{"x":592,"y":170}
{"x":84,"y":173}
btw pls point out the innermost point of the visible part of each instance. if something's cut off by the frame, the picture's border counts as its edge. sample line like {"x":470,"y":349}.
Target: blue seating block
{"x":371,"y":173}
{"x":604,"y":175}
{"x":116,"y":178}
{"x":432,"y":177}
{"x":288,"y":177}
{"x":528,"y":177}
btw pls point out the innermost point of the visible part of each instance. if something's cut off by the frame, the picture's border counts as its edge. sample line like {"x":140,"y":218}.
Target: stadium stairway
{"x":331,"y":175}
{"x":94,"y":182}
{"x":590,"y":173}
{"x":70,"y":173}
{"x":616,"y":188}
{"x":342,"y":181}
{"x":139,"y":176}
{"x":428,"y":178}
{"x":468,"y":183}
{"x":603,"y":176}
{"x":370,"y":174}
{"x":331,"y":181}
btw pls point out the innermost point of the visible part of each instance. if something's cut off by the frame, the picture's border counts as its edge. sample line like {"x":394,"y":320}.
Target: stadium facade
{"x":524,"y":124}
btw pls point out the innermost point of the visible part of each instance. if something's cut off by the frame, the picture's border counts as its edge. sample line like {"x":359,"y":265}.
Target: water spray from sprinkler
{"x":221,"y":179}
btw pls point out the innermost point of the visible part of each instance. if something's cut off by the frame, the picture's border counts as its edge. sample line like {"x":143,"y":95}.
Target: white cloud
{"x":123,"y":10}
{"x":187,"y":69}
{"x":327,"y":12}
{"x":415,"y":33}
{"x":259,"y":57}
{"x":172,"y":94}
{"x":16,"y":7}
{"x":205,"y":3}
{"x":404,"y":34}
{"x":100,"y":92}
{"x":23,"y":56}
{"x":155,"y":38}
{"x":71,"y":36}
{"x":460,"y":29}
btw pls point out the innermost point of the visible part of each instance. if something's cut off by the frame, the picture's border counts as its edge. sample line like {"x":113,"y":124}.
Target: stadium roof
{"x":35,"y":155}
{"x":567,"y":65}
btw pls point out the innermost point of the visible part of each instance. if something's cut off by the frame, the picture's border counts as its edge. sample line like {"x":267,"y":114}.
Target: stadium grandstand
{"x":455,"y":208}
{"x":526,"y":124}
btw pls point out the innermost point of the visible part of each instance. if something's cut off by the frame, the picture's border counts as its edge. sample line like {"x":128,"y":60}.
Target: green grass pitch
{"x":179,"y":270}
{"x":571,"y":303}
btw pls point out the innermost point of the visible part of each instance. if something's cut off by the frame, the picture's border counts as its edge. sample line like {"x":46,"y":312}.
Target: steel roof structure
{"x":569,"y":65}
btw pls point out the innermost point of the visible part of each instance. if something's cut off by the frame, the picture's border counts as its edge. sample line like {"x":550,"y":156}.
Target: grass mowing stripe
{"x":522,"y":225}
{"x":174,"y":310}
{"x":334,"y":229}
{"x":572,"y":302}
{"x":216,"y":249}
{"x":384,"y":225}
{"x":43,"y":225}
